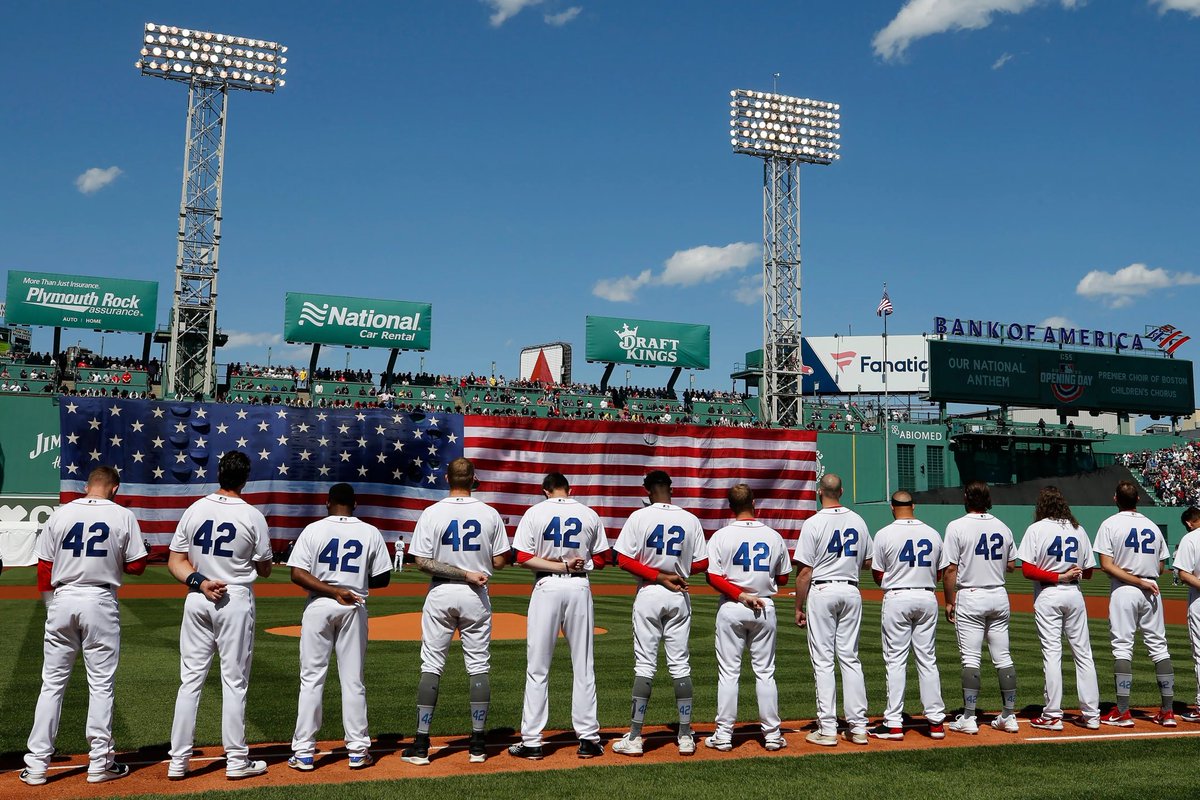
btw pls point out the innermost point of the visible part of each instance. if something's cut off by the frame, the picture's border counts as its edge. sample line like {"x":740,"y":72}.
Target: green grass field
{"x":148,"y":679}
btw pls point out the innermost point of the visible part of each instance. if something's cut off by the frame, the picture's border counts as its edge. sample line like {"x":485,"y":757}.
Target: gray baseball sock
{"x":641,"y":699}
{"x":971,"y":683}
{"x":1123,"y":675}
{"x":1008,"y":688}
{"x":481,"y":698}
{"x":1166,"y":682}
{"x":427,"y":697}
{"x":683,"y":701}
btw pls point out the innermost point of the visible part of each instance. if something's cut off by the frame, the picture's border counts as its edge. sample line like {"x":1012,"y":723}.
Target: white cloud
{"x":96,"y":179}
{"x":1118,"y":289}
{"x":1002,"y":60}
{"x":921,"y":18}
{"x":749,"y":290}
{"x":1056,"y":322}
{"x":623,"y":289}
{"x":684,"y":268}
{"x":249,"y":339}
{"x":1191,"y":7}
{"x":562,"y":17}
{"x":504,"y":10}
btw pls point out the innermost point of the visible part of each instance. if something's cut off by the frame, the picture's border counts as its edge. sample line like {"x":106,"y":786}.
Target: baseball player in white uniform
{"x":977,"y":556}
{"x":82,"y":552}
{"x":747,"y":563}
{"x":338,"y":560}
{"x":663,"y":545}
{"x":560,"y":540}
{"x":1134,"y":552}
{"x":459,"y":541}
{"x":833,"y":549}
{"x":907,"y":554}
{"x":220,"y":546}
{"x":1055,"y":554}
{"x":1187,"y":567}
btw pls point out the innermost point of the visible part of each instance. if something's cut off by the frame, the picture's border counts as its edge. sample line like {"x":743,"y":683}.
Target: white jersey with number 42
{"x":751,"y":555}
{"x":560,"y":529}
{"x":835,"y":542}
{"x":223,"y":537}
{"x":342,"y":551}
{"x":664,"y":537}
{"x":908,"y":553}
{"x":464,"y":532}
{"x":1134,"y":542}
{"x":89,"y":541}
{"x":1056,"y":545}
{"x":981,"y":546}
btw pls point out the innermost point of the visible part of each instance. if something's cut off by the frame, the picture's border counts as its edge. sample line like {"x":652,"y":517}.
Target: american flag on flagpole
{"x":885,"y":305}
{"x":167,"y":454}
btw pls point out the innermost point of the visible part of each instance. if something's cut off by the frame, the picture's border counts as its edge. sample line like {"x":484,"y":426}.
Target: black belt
{"x":540,"y":575}
{"x":1060,"y":583}
{"x":911,"y":589}
{"x":836,"y":580}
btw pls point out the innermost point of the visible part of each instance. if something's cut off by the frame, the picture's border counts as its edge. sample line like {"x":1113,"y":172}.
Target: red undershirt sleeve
{"x":782,"y":579}
{"x":1035,"y":573}
{"x":43,"y":576}
{"x":522,"y":556}
{"x":636,"y":567}
{"x":724,"y":585}
{"x":136,"y":567}
{"x":699,"y":566}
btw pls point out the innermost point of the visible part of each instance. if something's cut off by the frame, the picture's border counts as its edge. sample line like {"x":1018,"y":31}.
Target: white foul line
{"x":1094,"y":736}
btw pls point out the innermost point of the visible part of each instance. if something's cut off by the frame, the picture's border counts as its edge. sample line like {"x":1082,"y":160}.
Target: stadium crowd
{"x":1171,"y":475}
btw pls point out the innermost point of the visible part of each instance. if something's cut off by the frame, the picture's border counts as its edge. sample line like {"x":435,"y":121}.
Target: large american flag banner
{"x":167,"y":455}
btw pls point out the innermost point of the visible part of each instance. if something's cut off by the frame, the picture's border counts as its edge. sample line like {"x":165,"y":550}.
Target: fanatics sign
{"x":356,"y":321}
{"x":647,"y":343}
{"x":81,"y":301}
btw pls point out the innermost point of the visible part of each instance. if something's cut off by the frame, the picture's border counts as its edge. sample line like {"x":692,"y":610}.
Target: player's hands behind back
{"x":752,"y":601}
{"x":476,"y":578}
{"x":346,"y":597}
{"x":214,"y":590}
{"x":676,"y":583}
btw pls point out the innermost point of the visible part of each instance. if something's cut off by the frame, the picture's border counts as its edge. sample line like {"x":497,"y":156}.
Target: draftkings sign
{"x":81,"y":301}
{"x":356,"y":321}
{"x":647,"y":343}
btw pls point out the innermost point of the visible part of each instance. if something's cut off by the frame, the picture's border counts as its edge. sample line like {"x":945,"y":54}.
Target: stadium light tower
{"x":784,"y":132}
{"x":211,"y":64}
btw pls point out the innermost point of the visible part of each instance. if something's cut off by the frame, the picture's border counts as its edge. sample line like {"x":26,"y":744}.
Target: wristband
{"x":194,"y":580}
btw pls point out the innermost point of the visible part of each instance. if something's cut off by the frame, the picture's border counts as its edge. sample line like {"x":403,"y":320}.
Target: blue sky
{"x":512,"y":162}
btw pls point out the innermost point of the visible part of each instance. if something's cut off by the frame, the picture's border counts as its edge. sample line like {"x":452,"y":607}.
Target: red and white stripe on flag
{"x":605,"y":463}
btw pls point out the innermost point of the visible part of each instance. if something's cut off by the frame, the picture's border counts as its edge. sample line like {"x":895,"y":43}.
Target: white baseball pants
{"x":225,"y":628}
{"x":456,"y":606}
{"x":910,"y":624}
{"x":1059,"y":610}
{"x":78,"y":619}
{"x":559,"y":602}
{"x":982,"y":615}
{"x":1193,"y":623}
{"x":329,"y":626}
{"x":739,"y":628}
{"x":660,"y":615}
{"x":834,"y":621}
{"x":1130,"y":610}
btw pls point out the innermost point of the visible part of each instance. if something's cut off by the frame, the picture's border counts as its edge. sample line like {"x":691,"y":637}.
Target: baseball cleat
{"x":1165,"y":717}
{"x":477,"y":750}
{"x":419,"y":752}
{"x":302,"y":763}
{"x":776,"y":742}
{"x":686,"y":742}
{"x":524,"y":751}
{"x":1191,"y":715}
{"x":361,"y":760}
{"x":884,"y":731}
{"x":247,"y":770}
{"x":964,"y":724}
{"x":857,"y":736}
{"x":713,"y":743}
{"x":1120,"y":719}
{"x":629,"y":745}
{"x":114,"y":772}
{"x":937,"y":730}
{"x":1007,"y":723}
{"x":33,"y":778}
{"x":1092,"y":723}
{"x":822,"y":739}
{"x":177,"y":771}
{"x":1048,"y":723}
{"x":590,"y":748}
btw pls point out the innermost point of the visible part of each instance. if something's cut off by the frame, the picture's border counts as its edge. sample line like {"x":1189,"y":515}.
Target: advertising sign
{"x":548,"y":363}
{"x":356,"y":321}
{"x":81,"y":301}
{"x":1047,"y":378}
{"x":854,"y":364}
{"x":647,"y":343}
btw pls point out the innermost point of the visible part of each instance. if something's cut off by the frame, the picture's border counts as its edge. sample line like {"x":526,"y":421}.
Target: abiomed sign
{"x":356,"y":321}
{"x":647,"y":343}
{"x":81,"y":301}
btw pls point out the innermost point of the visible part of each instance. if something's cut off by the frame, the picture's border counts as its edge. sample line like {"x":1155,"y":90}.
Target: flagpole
{"x":887,"y":428}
